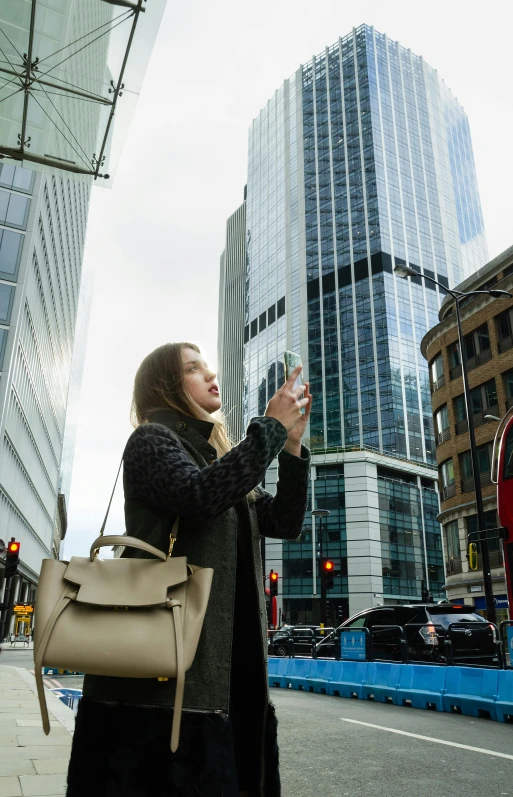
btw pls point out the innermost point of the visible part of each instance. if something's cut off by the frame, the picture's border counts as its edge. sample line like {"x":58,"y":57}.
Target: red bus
{"x":504,"y":479}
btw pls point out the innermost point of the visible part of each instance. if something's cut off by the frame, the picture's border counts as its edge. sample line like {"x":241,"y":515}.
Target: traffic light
{"x":12,"y":558}
{"x":273,"y":584}
{"x":472,"y":556}
{"x":328,"y":567}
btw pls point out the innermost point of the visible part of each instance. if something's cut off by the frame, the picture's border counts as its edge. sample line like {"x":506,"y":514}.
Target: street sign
{"x":19,"y":608}
{"x":353,"y":645}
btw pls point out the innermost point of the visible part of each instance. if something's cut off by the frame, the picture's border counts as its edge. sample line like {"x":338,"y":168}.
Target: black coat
{"x":169,"y":469}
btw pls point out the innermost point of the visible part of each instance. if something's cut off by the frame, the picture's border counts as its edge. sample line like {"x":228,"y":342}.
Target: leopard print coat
{"x":171,"y":469}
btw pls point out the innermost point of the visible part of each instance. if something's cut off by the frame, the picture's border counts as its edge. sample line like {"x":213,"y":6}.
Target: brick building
{"x":488,"y":332}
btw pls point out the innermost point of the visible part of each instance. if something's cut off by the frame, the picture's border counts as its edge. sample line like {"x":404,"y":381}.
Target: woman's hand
{"x":293,"y":444}
{"x":285,"y":406}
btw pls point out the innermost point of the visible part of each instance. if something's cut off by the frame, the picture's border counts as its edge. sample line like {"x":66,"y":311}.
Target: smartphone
{"x":292,"y":361}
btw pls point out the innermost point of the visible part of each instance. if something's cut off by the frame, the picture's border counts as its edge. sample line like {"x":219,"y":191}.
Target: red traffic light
{"x":329,"y":565}
{"x":274,"y":576}
{"x":13,"y":547}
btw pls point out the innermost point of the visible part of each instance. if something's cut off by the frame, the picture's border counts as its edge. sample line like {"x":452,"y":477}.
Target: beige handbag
{"x":129,"y":618}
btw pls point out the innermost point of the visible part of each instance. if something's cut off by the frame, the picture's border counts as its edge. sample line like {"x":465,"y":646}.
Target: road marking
{"x":430,"y":739}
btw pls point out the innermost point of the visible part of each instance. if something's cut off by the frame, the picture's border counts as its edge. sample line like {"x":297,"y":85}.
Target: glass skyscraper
{"x":361,"y":160}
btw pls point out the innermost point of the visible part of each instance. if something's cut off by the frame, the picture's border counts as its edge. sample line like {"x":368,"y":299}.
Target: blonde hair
{"x":160,"y":385}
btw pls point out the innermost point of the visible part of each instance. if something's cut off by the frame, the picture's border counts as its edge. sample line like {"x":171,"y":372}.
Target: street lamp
{"x":321,"y":513}
{"x":406,"y":271}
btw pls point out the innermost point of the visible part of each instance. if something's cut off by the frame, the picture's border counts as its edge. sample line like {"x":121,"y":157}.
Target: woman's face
{"x":201,"y":381}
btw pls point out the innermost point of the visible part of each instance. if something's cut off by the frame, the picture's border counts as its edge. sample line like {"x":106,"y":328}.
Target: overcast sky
{"x":154,"y":239}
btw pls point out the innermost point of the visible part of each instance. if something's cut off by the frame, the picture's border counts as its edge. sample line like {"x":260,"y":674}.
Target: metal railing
{"x":479,"y":418}
{"x":442,"y":436}
{"x":438,"y":383}
{"x":449,"y":491}
{"x":505,"y":343}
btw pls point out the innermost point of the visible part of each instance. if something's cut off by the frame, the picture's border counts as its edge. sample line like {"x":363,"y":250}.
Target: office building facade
{"x":487,"y":325}
{"x":42,"y":240}
{"x":230,"y":337}
{"x":360,"y":161}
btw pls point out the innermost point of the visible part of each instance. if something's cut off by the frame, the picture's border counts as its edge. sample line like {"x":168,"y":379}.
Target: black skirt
{"x":123,"y":751}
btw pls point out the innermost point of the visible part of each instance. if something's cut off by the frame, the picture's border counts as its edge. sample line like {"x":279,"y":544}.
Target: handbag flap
{"x":125,"y":582}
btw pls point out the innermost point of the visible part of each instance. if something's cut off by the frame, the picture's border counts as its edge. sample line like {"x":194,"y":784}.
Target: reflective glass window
{"x":453,"y":540}
{"x":10,"y":249}
{"x":17,"y":211}
{"x":442,"y":419}
{"x":6,"y":299}
{"x":447,"y":472}
{"x":3,"y":341}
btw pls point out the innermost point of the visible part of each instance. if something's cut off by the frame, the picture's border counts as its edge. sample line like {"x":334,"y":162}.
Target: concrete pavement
{"x":31,"y":764}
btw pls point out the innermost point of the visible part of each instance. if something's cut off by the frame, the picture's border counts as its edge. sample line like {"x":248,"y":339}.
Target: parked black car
{"x":426,"y":627}
{"x":303,"y":636}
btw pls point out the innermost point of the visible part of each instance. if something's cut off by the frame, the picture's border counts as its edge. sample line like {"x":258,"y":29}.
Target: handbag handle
{"x":127,"y":542}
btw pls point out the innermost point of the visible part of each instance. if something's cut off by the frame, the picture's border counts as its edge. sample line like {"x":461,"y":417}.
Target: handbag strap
{"x":172,"y":536}
{"x":111,"y":497}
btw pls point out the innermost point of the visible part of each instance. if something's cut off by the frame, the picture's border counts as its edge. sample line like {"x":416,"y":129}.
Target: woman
{"x":179,"y":462}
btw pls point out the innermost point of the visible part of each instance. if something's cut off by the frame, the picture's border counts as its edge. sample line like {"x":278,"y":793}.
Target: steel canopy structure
{"x":70,"y":73}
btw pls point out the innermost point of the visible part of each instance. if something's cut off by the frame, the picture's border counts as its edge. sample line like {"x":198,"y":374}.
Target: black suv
{"x":303,"y":636}
{"x":426,"y":627}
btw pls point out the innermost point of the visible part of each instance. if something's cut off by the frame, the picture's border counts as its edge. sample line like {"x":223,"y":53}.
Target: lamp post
{"x":406,"y":271}
{"x":320,"y":513}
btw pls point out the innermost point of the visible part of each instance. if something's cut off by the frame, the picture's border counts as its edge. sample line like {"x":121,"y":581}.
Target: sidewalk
{"x":31,"y":764}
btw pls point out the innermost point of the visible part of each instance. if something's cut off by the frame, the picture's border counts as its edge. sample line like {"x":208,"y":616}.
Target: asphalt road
{"x":322,"y":753}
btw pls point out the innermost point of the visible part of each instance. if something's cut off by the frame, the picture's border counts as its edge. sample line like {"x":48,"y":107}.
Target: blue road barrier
{"x":471,"y":691}
{"x":504,"y":702}
{"x":317,"y":680}
{"x":277,"y":669}
{"x":298,"y":671}
{"x":421,"y":686}
{"x":347,"y":678}
{"x":381,"y":681}
{"x":476,"y":691}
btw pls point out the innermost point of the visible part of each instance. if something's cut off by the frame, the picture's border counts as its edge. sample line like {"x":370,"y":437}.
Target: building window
{"x":10,"y":250}
{"x":477,"y":351}
{"x":262,"y":321}
{"x":504,"y":324}
{"x":452,"y":543}
{"x":484,"y":458}
{"x":281,"y":307}
{"x":483,"y":400}
{"x":16,"y":177}
{"x":508,"y":388}
{"x":6,"y":299}
{"x":494,"y":545}
{"x":447,"y":479}
{"x":254,"y":328}
{"x":442,"y":431}
{"x":3,"y":341}
{"x":271,"y":314}
{"x":436,"y":371}
{"x":246,"y":333}
{"x":13,"y":209}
